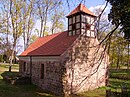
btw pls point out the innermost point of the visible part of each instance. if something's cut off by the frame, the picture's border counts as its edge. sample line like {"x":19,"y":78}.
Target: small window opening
{"x":24,"y":66}
{"x":42,"y":71}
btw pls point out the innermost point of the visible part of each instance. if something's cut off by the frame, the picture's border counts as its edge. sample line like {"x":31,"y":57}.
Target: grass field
{"x":8,"y":90}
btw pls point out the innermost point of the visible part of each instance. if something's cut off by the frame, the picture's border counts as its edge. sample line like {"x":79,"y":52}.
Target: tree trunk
{"x":117,"y":64}
{"x":41,"y":28}
{"x":12,"y":56}
{"x":128,"y":57}
{"x":10,"y":67}
{"x":11,"y":61}
{"x":118,"y":59}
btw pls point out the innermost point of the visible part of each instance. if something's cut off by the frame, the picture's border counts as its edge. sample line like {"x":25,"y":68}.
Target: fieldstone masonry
{"x":86,"y":66}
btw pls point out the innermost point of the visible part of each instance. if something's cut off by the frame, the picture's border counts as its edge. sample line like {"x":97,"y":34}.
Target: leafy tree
{"x":120,"y":15}
{"x":33,"y":38}
{"x":13,"y":24}
{"x":57,"y":20}
{"x":28,"y":21}
{"x":5,"y":27}
{"x":118,"y":50}
{"x":44,"y":10}
{"x":16,"y":25}
{"x":102,"y":24}
{"x":5,"y":50}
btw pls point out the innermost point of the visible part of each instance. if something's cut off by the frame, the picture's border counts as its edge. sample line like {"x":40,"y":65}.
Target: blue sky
{"x":89,"y":3}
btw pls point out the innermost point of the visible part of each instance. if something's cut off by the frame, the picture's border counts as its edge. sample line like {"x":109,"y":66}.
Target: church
{"x":67,"y":62}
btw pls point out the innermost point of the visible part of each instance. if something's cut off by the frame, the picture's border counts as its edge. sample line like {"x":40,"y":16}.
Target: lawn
{"x":8,"y":90}
{"x":120,"y":74}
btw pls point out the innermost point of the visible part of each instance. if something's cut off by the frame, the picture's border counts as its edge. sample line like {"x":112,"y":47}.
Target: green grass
{"x":123,"y":74}
{"x":118,"y":83}
{"x":115,"y":86}
{"x":100,"y":92}
{"x":120,"y":71}
{"x":120,"y":74}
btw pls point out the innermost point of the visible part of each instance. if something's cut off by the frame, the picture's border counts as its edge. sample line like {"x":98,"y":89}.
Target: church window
{"x":24,"y":66}
{"x":42,"y":71}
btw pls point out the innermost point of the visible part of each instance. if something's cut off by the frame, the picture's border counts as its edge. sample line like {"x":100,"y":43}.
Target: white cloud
{"x":97,"y":10}
{"x":92,"y":8}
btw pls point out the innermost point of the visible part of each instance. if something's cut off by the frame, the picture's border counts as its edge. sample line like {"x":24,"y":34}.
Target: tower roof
{"x":81,"y":8}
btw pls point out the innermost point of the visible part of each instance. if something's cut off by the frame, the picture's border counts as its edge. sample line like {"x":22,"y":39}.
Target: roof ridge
{"x":51,"y":34}
{"x":81,"y":8}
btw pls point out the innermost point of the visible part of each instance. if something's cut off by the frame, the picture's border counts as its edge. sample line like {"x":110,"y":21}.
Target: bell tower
{"x":81,"y":21}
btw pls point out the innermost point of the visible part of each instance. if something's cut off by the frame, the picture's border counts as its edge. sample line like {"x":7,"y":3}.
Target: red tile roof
{"x":51,"y":45}
{"x":81,"y":8}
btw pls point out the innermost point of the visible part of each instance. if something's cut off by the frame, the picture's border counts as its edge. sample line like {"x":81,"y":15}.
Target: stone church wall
{"x":86,"y":66}
{"x":24,"y":66}
{"x":53,"y":74}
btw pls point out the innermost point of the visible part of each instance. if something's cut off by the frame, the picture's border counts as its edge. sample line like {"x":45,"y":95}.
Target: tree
{"x":44,"y":9}
{"x":16,"y":25}
{"x":17,"y":20}
{"x":118,"y":50}
{"x":12,"y":24}
{"x":1,"y":46}
{"x":102,"y":24}
{"x":33,"y":38}
{"x":28,"y":21}
{"x":120,"y":15}
{"x":57,"y":20}
{"x":5,"y":29}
